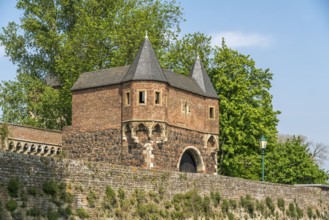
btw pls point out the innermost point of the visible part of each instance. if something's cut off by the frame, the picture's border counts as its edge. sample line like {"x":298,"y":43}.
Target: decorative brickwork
{"x":34,"y":141}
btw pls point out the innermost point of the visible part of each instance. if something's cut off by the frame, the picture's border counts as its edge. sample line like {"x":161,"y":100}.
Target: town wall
{"x":86,"y":176}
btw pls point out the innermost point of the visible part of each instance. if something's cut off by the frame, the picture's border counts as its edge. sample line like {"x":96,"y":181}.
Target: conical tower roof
{"x":200,"y":76}
{"x":145,"y":66}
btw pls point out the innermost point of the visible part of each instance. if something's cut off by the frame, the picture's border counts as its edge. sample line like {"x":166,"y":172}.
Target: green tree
{"x":64,"y":38}
{"x":181,"y":53}
{"x":292,"y":162}
{"x":246,"y":112}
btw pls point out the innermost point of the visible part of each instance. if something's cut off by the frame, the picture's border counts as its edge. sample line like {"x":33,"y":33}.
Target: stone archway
{"x":191,"y":161}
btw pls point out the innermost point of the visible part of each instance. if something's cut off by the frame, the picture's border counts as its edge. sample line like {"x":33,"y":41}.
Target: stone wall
{"x":153,"y":145}
{"x":83,"y":176}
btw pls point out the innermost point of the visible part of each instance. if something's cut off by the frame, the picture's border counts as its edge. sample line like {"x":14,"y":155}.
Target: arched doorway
{"x":191,"y":161}
{"x":187,"y":163}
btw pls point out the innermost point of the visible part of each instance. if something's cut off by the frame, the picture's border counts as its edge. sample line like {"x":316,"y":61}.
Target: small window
{"x":127,"y":101}
{"x":142,"y":97}
{"x":211,"y":112}
{"x":185,"y":108}
{"x":157,"y":98}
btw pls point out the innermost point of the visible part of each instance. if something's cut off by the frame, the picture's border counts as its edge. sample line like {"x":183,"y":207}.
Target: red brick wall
{"x":34,"y":134}
{"x":149,"y":111}
{"x":197,"y":118}
{"x":97,"y":109}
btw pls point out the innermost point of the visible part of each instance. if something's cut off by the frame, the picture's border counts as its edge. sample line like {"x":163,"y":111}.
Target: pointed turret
{"x":146,"y":65}
{"x":200,"y":76}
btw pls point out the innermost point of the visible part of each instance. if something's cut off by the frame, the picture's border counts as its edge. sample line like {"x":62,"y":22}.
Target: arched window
{"x":142,"y":133}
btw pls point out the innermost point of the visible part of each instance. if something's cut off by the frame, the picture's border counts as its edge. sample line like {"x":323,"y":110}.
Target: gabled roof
{"x":145,"y":66}
{"x":100,"y":78}
{"x":200,"y":76}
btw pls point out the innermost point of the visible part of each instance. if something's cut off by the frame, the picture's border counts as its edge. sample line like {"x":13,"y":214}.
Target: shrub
{"x":82,"y":213}
{"x":91,"y":198}
{"x":248,"y":204}
{"x":13,"y":187}
{"x":260,"y":207}
{"x":67,"y":197}
{"x":53,"y":215}
{"x":121,"y":194}
{"x":110,"y":200}
{"x":292,"y":211}
{"x":309,"y":213}
{"x":269,"y":204}
{"x":215,"y":198}
{"x":50,"y":187}
{"x":281,"y":204}
{"x":33,"y":212}
{"x":11,"y":205}
{"x":32,"y":191}
{"x":225,"y":207}
{"x":318,"y":214}
{"x":147,"y":210}
{"x":206,"y":206}
{"x":299,"y":212}
{"x":231,"y":216}
{"x":233,"y":204}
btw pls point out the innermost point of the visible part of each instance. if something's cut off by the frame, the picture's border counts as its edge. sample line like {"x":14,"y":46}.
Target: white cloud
{"x":238,"y":39}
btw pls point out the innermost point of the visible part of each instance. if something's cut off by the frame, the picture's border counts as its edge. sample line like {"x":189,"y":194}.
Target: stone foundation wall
{"x":84,"y":176}
{"x":142,"y":146}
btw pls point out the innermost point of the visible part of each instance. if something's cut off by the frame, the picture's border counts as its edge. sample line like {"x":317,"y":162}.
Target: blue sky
{"x":289,"y":37}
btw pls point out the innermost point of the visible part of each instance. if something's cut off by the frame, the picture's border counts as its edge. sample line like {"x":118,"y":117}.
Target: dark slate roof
{"x":100,"y":78}
{"x":145,"y":66}
{"x":200,"y":76}
{"x":183,"y":82}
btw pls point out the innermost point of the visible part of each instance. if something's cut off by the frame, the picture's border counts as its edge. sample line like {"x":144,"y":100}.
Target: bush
{"x":206,"y":206}
{"x":110,"y":200}
{"x":67,"y":197}
{"x":231,"y":216}
{"x":11,"y":205}
{"x":309,"y":213}
{"x":281,"y":204}
{"x":50,"y":187}
{"x":225,"y":207}
{"x":91,"y":198}
{"x":33,"y":212}
{"x":291,"y":211}
{"x":32,"y":191}
{"x":13,"y":187}
{"x":215,"y":197}
{"x":269,"y":204}
{"x":53,"y":215}
{"x":299,"y":212}
{"x":82,"y":213}
{"x":233,"y":204}
{"x":248,"y":204}
{"x":260,"y":207}
{"x":121,"y":194}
